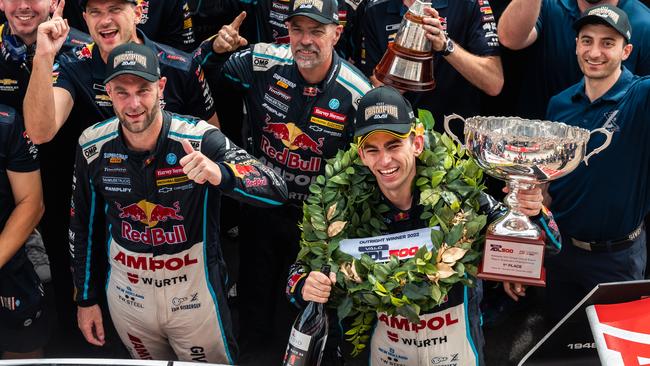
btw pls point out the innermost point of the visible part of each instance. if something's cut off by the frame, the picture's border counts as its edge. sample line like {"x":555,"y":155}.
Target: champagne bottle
{"x":308,"y":334}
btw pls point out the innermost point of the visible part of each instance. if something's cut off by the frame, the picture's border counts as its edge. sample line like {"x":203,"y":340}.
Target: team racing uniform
{"x":167,"y":275}
{"x":293,"y":126}
{"x":451,"y":330}
{"x":23,"y":325}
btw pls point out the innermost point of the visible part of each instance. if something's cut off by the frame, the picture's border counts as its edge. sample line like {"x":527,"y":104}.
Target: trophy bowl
{"x":524,"y":153}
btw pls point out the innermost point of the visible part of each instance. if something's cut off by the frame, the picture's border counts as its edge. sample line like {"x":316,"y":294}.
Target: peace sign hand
{"x":52,"y":34}
{"x":228,"y":38}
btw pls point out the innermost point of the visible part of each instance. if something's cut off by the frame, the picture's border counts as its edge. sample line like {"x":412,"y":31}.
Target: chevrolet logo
{"x":8,"y":82}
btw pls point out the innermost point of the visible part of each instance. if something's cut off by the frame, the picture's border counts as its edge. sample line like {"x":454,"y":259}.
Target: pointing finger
{"x":187,"y":147}
{"x":239,"y":20}
{"x":58,"y":12}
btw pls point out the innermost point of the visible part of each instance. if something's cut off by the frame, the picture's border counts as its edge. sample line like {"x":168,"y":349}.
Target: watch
{"x":449,"y":47}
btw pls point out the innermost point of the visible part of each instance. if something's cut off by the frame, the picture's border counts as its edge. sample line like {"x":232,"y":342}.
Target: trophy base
{"x":513,"y":259}
{"x":406,"y":71}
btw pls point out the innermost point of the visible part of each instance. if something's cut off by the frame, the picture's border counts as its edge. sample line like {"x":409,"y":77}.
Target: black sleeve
{"x":82,"y":213}
{"x":199,"y":101}
{"x":238,"y":70}
{"x":22,"y":154}
{"x":242,"y":176}
{"x":177,"y":28}
{"x":372,"y":49}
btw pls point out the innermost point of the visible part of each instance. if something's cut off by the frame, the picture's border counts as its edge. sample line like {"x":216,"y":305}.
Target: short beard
{"x":150,"y":117}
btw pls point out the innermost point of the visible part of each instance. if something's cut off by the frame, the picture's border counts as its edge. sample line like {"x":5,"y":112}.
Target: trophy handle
{"x":448,"y":131}
{"x":608,"y":139}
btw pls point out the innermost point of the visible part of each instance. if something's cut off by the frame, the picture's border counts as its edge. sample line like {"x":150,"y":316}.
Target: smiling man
{"x":300,"y":100}
{"x":600,"y":208}
{"x":161,"y":176}
{"x":389,"y":146}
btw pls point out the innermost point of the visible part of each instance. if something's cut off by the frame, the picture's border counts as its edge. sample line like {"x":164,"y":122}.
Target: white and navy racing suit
{"x":449,"y":334}
{"x":294,"y":127}
{"x":166,"y":282}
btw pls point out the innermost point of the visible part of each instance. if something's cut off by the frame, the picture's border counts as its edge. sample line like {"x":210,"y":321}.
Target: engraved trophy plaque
{"x":523,"y":153}
{"x":408,"y":61}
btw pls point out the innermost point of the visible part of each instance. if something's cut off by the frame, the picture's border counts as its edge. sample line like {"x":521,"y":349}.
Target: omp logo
{"x":90,"y":151}
{"x":260,"y":61}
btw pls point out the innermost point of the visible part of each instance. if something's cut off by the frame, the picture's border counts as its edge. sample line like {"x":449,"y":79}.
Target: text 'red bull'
{"x":154,"y":236}
{"x":290,"y":159}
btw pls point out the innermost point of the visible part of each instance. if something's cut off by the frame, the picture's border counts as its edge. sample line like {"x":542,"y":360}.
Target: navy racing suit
{"x":452,"y":329}
{"x":167,"y":278}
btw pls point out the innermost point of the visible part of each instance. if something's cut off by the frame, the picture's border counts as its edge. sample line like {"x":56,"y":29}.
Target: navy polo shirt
{"x":15,"y":65}
{"x":609,"y":198}
{"x":168,"y":22}
{"x":469,"y":23}
{"x":17,"y":154}
{"x":553,"y":65}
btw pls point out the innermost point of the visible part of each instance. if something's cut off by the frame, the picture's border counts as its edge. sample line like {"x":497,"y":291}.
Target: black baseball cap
{"x":608,"y":15}
{"x":135,"y":59}
{"x":83,"y":3}
{"x":384,"y":109}
{"x":322,"y":11}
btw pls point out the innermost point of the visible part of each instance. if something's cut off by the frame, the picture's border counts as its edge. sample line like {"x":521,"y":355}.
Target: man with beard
{"x":545,"y":26}
{"x":161,"y":176}
{"x":72,"y":89}
{"x":301,"y":100}
{"x":600,"y":208}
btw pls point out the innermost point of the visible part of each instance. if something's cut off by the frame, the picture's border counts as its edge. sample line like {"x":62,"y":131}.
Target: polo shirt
{"x":553,"y":66}
{"x":16,"y":63}
{"x":168,"y":22}
{"x":469,"y":23}
{"x":609,"y":198}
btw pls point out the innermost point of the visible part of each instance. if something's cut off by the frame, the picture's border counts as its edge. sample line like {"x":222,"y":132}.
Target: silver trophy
{"x":524,"y":153}
{"x":408,"y":61}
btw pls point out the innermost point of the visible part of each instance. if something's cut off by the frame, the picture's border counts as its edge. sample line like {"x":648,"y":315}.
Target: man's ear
{"x":418,"y":142}
{"x":627,"y":51}
{"x":362,"y":155}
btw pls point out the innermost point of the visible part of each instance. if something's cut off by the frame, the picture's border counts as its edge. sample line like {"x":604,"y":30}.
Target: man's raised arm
{"x":45,"y":107}
{"x":516,"y":26}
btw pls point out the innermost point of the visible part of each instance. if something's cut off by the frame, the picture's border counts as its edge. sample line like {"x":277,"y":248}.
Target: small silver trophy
{"x":523,"y":153}
{"x":408,"y":61}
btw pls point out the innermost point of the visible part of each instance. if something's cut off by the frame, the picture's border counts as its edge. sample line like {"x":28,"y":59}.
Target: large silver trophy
{"x":523,"y":153}
{"x":408,"y":62}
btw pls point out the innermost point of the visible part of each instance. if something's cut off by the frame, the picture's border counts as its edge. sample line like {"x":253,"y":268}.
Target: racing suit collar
{"x":161,"y":144}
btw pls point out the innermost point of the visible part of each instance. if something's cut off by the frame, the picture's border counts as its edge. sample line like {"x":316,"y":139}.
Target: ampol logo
{"x":293,"y":137}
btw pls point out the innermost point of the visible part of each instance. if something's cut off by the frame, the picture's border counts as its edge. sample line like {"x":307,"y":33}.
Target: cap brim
{"x":145,"y":75}
{"x":401,"y":131}
{"x":317,"y":17}
{"x":595,"y":19}
{"x":83,"y":3}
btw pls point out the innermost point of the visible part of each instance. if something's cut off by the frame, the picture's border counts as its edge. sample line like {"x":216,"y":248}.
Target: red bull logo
{"x":85,"y":52}
{"x":293,"y":137}
{"x":241,"y":170}
{"x":150,"y":214}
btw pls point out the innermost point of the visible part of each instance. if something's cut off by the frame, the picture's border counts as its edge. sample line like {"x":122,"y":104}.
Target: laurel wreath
{"x":345,"y":203}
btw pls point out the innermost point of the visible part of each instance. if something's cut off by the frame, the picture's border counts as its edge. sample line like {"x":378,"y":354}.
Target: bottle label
{"x":297,"y":349}
{"x":299,"y":340}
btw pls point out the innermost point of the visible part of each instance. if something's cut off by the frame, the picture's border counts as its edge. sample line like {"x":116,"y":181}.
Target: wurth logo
{"x":136,"y":279}
{"x":139,"y":347}
{"x":152,"y":264}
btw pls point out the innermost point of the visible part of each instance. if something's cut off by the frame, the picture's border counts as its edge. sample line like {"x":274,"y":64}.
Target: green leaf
{"x":329,"y":171}
{"x":454,"y":235}
{"x":344,"y":308}
{"x":375,"y":223}
{"x":349,"y":170}
{"x":411,"y":312}
{"x":426,"y":118}
{"x":320,"y":180}
{"x":339,"y":179}
{"x":474,"y":227}
{"x":436,"y":177}
{"x":422,"y":181}
{"x":437,"y":237}
{"x":415,"y":292}
{"x":436,"y":295}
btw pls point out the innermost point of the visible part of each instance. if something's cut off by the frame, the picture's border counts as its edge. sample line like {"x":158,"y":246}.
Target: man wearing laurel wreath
{"x":389,"y":146}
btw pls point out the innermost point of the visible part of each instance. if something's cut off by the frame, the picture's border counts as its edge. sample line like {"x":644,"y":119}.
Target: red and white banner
{"x":622,"y":332}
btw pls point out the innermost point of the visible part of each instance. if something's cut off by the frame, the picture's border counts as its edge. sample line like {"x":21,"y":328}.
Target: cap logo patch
{"x":604,"y":12}
{"x":381,"y":111}
{"x":318,"y":4}
{"x":130,"y":59}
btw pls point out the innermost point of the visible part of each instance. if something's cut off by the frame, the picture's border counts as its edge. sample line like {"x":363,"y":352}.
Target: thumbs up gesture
{"x":198,"y":167}
{"x":52,"y":34}
{"x":228,"y":38}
